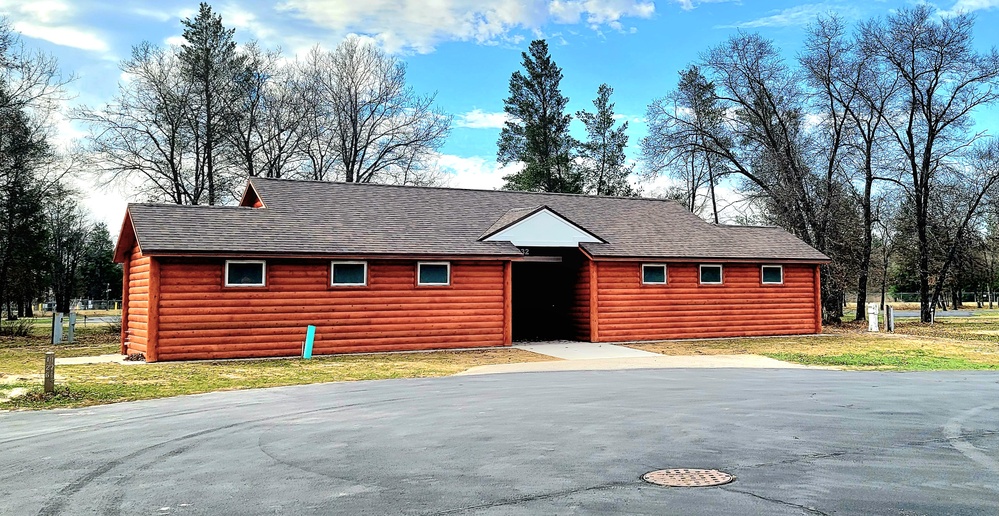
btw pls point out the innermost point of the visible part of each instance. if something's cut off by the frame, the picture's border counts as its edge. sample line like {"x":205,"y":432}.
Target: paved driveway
{"x":799,"y":442}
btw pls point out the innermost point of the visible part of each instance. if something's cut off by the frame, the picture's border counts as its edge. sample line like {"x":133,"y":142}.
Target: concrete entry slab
{"x":654,"y":362}
{"x":570,"y":350}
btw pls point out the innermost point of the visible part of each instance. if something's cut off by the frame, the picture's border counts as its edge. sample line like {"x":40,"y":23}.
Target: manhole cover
{"x":687,"y":477}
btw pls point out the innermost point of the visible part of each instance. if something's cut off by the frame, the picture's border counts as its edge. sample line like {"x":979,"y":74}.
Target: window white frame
{"x":721,"y":274}
{"x":263,"y":275}
{"x":763,"y":278}
{"x":333,"y":265}
{"x":665,"y":274}
{"x":419,"y":267}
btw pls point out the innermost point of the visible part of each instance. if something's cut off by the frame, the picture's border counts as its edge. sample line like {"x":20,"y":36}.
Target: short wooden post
{"x":49,"y":372}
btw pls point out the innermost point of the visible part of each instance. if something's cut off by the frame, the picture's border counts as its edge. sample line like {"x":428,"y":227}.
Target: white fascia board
{"x":543,"y":229}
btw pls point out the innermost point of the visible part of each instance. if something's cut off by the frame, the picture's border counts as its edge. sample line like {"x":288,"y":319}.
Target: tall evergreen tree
{"x":604,"y":167}
{"x":212,"y":64}
{"x":22,"y":151}
{"x":100,"y":277}
{"x":537,"y":132}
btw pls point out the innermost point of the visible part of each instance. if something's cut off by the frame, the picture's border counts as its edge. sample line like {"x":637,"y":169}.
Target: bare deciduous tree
{"x":266,"y":138}
{"x":679,"y":142}
{"x":942,"y":81}
{"x":379,"y":127}
{"x":144,"y":131}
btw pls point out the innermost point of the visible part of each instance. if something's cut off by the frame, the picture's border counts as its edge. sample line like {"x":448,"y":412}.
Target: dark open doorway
{"x":544,"y":293}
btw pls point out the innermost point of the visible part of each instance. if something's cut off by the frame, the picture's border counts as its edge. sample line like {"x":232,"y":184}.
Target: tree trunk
{"x":711,"y":186}
{"x":925,"y":303}
{"x":865,"y":258}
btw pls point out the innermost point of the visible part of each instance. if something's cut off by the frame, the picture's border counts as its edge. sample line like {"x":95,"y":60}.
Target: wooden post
{"x":49,"y":372}
{"x":594,"y":313}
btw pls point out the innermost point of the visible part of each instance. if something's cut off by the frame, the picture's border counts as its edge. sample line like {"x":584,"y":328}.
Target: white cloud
{"x":45,"y":11}
{"x":792,"y":16}
{"x":63,"y":35}
{"x":689,"y":5}
{"x":52,"y":21}
{"x":599,"y":12}
{"x":475,"y":172}
{"x":105,"y":205}
{"x":413,"y":25}
{"x":970,"y":6}
{"x":478,"y":119}
{"x":631,"y":119}
{"x":175,"y":40}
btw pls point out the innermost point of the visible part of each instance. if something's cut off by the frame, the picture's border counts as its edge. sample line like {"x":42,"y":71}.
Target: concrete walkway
{"x":569,"y":350}
{"x":656,"y":361}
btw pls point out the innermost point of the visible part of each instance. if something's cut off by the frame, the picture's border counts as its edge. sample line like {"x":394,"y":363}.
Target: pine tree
{"x":211,"y":62}
{"x":604,"y":166}
{"x":537,"y":132}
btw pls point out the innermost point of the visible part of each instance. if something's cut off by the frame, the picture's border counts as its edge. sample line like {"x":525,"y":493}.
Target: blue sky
{"x":465,"y":50}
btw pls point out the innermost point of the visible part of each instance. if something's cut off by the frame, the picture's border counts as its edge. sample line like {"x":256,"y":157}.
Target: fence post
{"x":49,"y":372}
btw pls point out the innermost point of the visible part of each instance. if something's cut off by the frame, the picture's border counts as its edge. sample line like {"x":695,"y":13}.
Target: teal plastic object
{"x":310,"y":335}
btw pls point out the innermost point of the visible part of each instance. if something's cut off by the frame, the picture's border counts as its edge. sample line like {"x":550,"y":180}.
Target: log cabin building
{"x":390,"y":268}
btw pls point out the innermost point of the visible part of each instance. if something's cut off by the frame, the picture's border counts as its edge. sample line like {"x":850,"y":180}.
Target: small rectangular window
{"x":654,"y":274}
{"x":438,"y":273}
{"x":245,"y":273}
{"x":711,"y":274}
{"x":349,"y":274}
{"x":772,"y":274}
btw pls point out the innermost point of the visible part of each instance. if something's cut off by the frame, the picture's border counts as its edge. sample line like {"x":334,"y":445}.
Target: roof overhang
{"x":126,"y":238}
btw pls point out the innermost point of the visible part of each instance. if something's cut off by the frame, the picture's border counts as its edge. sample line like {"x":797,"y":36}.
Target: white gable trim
{"x":543,"y":228}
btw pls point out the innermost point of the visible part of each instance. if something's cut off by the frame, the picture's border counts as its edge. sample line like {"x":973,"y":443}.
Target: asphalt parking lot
{"x":798,"y":442}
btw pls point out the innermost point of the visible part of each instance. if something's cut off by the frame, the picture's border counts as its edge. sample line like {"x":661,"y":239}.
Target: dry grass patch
{"x":965,"y":343}
{"x":91,"y":384}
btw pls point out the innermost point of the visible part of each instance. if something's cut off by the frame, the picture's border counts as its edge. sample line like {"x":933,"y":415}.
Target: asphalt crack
{"x":807,"y":509}
{"x":869,"y":449}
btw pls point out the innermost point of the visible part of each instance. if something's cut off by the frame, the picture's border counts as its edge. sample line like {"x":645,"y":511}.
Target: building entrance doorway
{"x":544,"y":295}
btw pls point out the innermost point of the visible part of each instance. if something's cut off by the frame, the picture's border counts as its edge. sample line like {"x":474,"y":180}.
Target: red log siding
{"x":200,"y":319}
{"x":580,"y":310}
{"x":135,"y":317}
{"x":741,"y":306}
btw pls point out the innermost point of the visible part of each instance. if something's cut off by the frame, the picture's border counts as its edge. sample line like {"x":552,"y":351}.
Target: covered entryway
{"x":549,"y":301}
{"x":544,"y":294}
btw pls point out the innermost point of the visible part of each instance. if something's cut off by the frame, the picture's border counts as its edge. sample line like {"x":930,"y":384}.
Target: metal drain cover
{"x":683,"y":477}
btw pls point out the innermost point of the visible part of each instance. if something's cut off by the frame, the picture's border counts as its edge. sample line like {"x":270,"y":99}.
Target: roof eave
{"x":126,"y":235}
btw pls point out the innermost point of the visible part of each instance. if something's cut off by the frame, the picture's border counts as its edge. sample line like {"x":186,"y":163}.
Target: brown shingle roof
{"x":322,"y":218}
